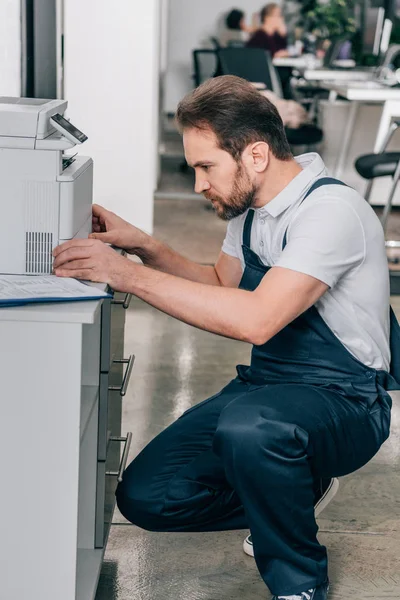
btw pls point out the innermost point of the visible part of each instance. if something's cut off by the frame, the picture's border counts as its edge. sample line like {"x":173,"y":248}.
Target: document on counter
{"x":16,"y":290}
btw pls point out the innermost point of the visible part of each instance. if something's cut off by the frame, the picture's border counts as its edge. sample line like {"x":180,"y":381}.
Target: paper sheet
{"x":24,"y":287}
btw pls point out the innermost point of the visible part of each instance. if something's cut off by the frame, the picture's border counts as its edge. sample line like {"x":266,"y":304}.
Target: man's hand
{"x":111,"y":229}
{"x":93,"y":261}
{"x":281,"y":26}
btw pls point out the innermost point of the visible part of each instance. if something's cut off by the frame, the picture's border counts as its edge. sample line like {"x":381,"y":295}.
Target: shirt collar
{"x":313,"y":168}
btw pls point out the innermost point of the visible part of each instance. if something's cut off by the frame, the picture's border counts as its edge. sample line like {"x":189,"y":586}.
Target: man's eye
{"x":206,"y":167}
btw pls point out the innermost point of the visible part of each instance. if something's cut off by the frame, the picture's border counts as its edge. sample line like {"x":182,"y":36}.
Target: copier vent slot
{"x":39,"y":247}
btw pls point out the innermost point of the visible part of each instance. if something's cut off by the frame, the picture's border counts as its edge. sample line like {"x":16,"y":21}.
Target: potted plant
{"x":329,"y":20}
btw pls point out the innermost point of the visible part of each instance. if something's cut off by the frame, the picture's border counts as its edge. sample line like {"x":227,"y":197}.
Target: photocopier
{"x":45,"y":196}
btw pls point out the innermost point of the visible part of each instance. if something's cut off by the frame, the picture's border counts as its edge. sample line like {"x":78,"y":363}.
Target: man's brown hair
{"x":268,"y":10}
{"x":238,"y":115}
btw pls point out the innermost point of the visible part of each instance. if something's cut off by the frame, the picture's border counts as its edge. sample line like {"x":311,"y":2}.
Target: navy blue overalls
{"x":252,"y":455}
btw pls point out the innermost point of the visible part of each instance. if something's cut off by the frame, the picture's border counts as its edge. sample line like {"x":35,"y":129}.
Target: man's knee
{"x":138,"y":499}
{"x":154,"y":502}
{"x":134,"y":509}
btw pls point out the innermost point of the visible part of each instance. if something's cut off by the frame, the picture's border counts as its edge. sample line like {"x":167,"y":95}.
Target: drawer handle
{"x":125,"y":382}
{"x":125,"y":302}
{"x":127,"y":440}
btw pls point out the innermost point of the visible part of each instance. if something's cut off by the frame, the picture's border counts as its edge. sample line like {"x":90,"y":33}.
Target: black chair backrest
{"x":205,"y":65}
{"x":215,"y":43}
{"x":253,"y":64}
{"x":236,"y":44}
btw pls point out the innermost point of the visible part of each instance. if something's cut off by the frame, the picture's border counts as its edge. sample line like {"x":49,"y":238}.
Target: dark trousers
{"x":248,"y":458}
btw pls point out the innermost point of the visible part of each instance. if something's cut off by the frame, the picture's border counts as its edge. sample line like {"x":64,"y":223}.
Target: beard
{"x":240,"y":199}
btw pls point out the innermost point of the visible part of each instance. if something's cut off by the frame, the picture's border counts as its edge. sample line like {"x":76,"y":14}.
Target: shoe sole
{"x":329,"y":495}
{"x":322,"y":503}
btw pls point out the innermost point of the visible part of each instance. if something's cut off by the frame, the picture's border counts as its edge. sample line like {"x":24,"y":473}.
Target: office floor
{"x":176,"y":367}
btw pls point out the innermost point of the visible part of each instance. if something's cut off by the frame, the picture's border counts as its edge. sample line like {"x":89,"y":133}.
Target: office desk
{"x":338,"y":75}
{"x":359,"y":93}
{"x":298,"y":62}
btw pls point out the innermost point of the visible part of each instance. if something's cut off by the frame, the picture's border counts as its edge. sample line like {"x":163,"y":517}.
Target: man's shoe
{"x":318,"y":593}
{"x":323,"y":495}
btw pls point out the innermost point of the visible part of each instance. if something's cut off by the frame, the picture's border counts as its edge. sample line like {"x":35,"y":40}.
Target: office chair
{"x":390,"y":58}
{"x":205,"y":64}
{"x":382,"y":164}
{"x":255,"y":65}
{"x":236,"y":44}
{"x":215,"y":43}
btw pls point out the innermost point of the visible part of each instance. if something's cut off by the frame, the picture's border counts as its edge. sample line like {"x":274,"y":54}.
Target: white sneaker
{"x":318,"y":593}
{"x":327,"y":492}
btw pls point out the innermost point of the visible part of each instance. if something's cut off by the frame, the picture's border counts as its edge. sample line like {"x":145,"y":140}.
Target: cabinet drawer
{"x":105,"y":502}
{"x":112,"y":329}
{"x":107,"y":480}
{"x":105,"y":338}
{"x":113,"y":386}
{"x":119,"y":306}
{"x":104,"y":428}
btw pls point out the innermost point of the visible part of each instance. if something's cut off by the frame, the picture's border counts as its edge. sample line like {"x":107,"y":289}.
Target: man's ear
{"x":256,"y":157}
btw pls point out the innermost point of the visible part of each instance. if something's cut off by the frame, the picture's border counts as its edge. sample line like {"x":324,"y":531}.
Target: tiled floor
{"x":178,"y":366}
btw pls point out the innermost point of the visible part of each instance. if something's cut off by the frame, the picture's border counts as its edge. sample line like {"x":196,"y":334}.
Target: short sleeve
{"x":230,"y":243}
{"x":325,"y":240}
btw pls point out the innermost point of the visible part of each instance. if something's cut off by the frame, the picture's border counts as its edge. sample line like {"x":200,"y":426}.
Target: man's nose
{"x":201,"y":185}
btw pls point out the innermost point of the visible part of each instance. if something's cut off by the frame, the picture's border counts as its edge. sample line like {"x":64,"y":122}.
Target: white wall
{"x":10,"y":48}
{"x":111,"y":84}
{"x":164,"y":26}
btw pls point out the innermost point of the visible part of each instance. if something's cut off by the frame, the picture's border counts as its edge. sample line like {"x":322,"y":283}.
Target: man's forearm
{"x":160,"y":256}
{"x":230,"y":312}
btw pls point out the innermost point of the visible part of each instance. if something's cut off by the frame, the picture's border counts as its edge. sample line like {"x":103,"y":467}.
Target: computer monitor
{"x":377,"y":26}
{"x":374,"y":17}
{"x":338,"y":50}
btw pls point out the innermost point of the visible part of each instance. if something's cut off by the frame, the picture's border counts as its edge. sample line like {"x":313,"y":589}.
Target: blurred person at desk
{"x":272,"y":35}
{"x":237,"y":31}
{"x":302,"y":276}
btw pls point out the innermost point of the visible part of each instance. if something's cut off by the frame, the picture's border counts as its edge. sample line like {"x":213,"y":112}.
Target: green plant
{"x":329,"y":20}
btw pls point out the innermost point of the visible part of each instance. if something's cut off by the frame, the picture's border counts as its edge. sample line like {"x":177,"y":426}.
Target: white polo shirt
{"x":334,"y":236}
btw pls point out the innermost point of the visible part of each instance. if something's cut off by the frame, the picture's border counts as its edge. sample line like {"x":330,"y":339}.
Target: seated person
{"x":237,"y":31}
{"x":272,"y":35}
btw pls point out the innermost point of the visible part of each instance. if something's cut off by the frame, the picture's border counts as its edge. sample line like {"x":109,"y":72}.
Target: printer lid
{"x":28,"y":117}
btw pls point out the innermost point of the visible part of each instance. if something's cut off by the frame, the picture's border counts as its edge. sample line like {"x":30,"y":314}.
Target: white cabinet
{"x":58,"y":419}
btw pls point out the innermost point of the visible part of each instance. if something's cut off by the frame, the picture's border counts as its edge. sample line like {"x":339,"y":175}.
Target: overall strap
{"x":247,"y":228}
{"x":317,"y":184}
